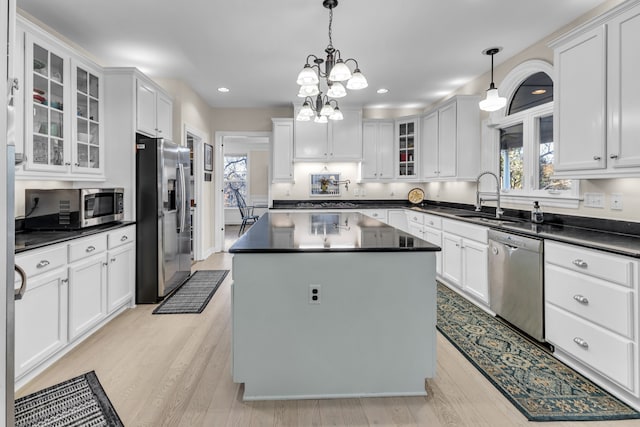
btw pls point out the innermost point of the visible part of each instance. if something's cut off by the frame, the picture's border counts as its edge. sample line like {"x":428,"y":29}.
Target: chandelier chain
{"x":330,"y":22}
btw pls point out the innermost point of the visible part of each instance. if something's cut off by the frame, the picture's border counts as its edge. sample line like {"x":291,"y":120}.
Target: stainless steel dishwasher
{"x":516,"y":281}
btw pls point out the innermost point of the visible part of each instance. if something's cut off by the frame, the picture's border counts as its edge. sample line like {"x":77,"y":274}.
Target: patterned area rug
{"x":194,"y":294}
{"x":540,"y":386}
{"x":80,"y":401}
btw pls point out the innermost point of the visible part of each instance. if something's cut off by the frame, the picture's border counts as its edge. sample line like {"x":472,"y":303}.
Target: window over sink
{"x":524,"y":139}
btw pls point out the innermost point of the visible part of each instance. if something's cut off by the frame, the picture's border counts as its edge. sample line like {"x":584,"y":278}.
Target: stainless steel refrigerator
{"x":163,"y":221}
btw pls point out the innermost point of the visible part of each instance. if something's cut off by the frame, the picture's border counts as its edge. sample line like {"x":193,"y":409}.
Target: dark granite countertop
{"x":328,"y":231}
{"x":620,"y":237}
{"x":610,"y":240}
{"x":33,"y":239}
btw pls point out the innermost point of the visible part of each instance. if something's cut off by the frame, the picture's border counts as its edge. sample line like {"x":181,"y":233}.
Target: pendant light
{"x":336,"y":74}
{"x":493,"y":101}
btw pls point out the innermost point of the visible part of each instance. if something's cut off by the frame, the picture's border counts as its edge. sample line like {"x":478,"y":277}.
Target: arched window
{"x":525,"y":135}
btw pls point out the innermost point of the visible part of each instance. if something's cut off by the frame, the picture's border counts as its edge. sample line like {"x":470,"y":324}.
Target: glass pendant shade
{"x":308,"y":90}
{"x":302,"y":118}
{"x":336,"y":115}
{"x":337,"y":90}
{"x":494,"y":101}
{"x":308,"y":76}
{"x":340,"y":72}
{"x":306,"y":110}
{"x":321,"y":119}
{"x":357,"y":81}
{"x":327,"y":110}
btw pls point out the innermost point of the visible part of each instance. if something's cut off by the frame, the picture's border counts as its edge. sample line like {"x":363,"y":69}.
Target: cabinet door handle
{"x":582,"y":343}
{"x":581,"y":299}
{"x":67,"y":164}
{"x":91,"y":248}
{"x":113,"y":260}
{"x":42,"y":264}
{"x":23,"y":287}
{"x":580,"y":263}
{"x":613,"y":156}
{"x":123,"y":238}
{"x":77,"y":164}
{"x":597,"y":157}
{"x":65,"y":280}
{"x":105,"y":263}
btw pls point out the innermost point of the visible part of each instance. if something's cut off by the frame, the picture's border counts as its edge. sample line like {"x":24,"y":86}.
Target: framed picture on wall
{"x":208,"y":157}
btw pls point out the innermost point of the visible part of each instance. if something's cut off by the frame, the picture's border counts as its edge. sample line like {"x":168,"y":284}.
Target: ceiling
{"x":420,"y":50}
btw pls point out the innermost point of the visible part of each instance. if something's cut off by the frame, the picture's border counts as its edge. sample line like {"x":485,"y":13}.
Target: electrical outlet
{"x":314,"y":294}
{"x":594,"y":200}
{"x":616,"y":201}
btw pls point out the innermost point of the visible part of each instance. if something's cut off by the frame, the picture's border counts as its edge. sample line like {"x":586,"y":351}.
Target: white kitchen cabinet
{"x":72,"y":289}
{"x":406,"y":148}
{"x":41,"y":314}
{"x":428,"y":227}
{"x":63,"y":104}
{"x":595,"y":130}
{"x":154,"y":110}
{"x":397,"y":218}
{"x":121,"y":267}
{"x":450,"y":141}
{"x":465,"y":263}
{"x":335,"y":141}
{"x":282,"y":150}
{"x":377,"y":150}
{"x":87,"y":294}
{"x":591,"y":313}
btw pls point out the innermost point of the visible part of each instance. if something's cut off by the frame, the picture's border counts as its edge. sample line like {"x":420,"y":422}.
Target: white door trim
{"x":198,"y":174}
{"x":219,"y":176}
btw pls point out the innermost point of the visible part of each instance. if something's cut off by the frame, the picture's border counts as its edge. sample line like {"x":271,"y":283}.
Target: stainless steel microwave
{"x":70,"y":209}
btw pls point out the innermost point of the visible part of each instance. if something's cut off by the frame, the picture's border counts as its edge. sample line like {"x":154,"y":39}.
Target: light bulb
{"x":308,"y":90}
{"x":327,"y":110}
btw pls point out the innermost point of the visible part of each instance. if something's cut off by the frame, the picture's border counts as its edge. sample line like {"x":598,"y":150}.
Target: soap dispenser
{"x":536,"y":213}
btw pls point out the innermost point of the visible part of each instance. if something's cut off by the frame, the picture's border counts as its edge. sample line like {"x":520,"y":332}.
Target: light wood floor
{"x":174,"y":370}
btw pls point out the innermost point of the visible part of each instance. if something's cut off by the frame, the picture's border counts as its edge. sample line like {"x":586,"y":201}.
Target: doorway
{"x":195,"y":140}
{"x":251,"y":152}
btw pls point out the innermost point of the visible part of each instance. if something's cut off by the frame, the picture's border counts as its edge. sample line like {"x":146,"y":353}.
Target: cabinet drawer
{"x":602,"y":350}
{"x":432,"y":221}
{"x":379,"y":214}
{"x":605,"y":304}
{"x":121,"y":236}
{"x":86,"y":247}
{"x":613,"y":268}
{"x":417,"y":217}
{"x":466,"y":230}
{"x":41,"y":261}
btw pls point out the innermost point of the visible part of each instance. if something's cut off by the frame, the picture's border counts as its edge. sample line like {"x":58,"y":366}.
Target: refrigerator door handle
{"x":182,"y":202}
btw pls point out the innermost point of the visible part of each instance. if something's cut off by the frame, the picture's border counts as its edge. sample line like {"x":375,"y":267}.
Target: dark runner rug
{"x":194,"y":294}
{"x":540,"y":386}
{"x":80,"y":401}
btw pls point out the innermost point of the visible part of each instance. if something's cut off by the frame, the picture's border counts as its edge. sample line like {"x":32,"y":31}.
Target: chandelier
{"x":335,"y":72}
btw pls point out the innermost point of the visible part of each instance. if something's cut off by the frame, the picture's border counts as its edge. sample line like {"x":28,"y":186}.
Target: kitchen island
{"x":332,"y":304}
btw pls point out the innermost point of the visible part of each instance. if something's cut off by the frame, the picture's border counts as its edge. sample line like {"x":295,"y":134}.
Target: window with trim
{"x":526,"y":146}
{"x":235,"y":178}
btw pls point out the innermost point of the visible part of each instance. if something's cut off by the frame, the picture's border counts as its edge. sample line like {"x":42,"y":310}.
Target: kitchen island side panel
{"x":371,"y":334}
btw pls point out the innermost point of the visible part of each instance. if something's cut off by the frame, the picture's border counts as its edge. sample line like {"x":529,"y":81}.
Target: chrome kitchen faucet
{"x":488,"y":196}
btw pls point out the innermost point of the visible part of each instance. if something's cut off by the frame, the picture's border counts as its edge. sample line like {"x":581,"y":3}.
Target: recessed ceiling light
{"x":382,"y":90}
{"x":223,"y":89}
{"x":539,"y":92}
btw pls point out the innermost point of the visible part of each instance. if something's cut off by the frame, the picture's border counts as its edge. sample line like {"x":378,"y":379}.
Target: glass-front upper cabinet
{"x":46,"y":72}
{"x":407,"y":137}
{"x":87,"y":136}
{"x":63,"y":122}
